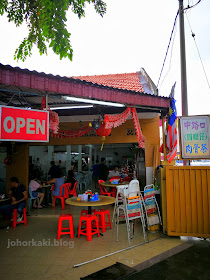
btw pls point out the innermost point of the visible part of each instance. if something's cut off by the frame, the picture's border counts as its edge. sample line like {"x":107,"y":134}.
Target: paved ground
{"x":192,"y":263}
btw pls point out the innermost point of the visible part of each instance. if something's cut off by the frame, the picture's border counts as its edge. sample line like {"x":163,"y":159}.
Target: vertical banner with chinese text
{"x":195,"y":137}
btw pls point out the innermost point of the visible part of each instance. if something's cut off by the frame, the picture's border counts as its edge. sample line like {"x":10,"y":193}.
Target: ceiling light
{"x":71,"y":107}
{"x":93,"y":101}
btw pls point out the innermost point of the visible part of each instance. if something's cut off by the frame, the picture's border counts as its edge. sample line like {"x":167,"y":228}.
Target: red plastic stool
{"x":102,"y":219}
{"x":86,"y":212}
{"x":65,"y":217}
{"x":24,"y":220}
{"x":88,"y":230}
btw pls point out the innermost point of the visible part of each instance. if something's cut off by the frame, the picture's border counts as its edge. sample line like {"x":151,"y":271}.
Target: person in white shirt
{"x":114,"y":172}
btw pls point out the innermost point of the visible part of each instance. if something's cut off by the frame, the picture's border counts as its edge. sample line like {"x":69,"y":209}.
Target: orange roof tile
{"x":129,"y":81}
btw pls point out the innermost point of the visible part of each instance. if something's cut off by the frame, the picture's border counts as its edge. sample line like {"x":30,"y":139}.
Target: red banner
{"x":18,"y":124}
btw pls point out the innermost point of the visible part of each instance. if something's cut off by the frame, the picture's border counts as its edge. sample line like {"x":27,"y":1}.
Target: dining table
{"x":109,"y":184}
{"x":103,"y":200}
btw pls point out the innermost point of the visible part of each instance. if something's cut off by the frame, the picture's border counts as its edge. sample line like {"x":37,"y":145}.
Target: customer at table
{"x":114,"y":172}
{"x":35,"y":188}
{"x":59,"y":181}
{"x":103,"y":170}
{"x":71,"y":178}
{"x":18,"y":199}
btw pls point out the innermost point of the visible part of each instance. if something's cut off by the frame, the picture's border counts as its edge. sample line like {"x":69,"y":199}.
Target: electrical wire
{"x":193,"y":35}
{"x":190,"y":7}
{"x":169,"y":68}
{"x":168,"y":46}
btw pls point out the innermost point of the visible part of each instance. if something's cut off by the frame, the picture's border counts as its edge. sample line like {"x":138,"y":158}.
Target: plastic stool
{"x":102,"y":219}
{"x":24,"y":220}
{"x":86,"y":212}
{"x":88,"y":230}
{"x":65,"y":217}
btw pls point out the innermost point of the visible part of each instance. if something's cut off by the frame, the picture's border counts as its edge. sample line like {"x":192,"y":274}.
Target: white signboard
{"x":195,"y":137}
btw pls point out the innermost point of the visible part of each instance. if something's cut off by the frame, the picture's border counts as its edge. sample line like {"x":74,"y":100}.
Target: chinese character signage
{"x":195,"y":137}
{"x":17,"y":124}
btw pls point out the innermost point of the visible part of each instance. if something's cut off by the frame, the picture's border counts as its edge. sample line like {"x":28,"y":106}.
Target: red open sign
{"x":18,"y":124}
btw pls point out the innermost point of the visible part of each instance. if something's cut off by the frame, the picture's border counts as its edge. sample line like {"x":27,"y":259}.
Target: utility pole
{"x":183,"y":61}
{"x":183,"y":67}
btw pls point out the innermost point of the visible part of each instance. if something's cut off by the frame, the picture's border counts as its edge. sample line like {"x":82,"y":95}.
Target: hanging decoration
{"x":140,"y":136}
{"x":71,"y":133}
{"x":116,"y":120}
{"x":53,"y":117}
{"x":103,"y":132}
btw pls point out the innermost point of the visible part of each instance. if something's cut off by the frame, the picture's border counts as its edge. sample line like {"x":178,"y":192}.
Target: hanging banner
{"x":140,"y":136}
{"x":17,"y":124}
{"x":116,"y":120}
{"x":195,"y":137}
{"x":71,"y":133}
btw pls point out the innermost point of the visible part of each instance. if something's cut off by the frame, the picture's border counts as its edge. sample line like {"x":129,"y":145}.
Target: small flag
{"x":171,"y":138}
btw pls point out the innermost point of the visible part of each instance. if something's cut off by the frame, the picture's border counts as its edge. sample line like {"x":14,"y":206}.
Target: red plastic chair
{"x":114,"y":177}
{"x":74,"y":190}
{"x":103,"y":189}
{"x":63,"y":197}
{"x":127,"y":179}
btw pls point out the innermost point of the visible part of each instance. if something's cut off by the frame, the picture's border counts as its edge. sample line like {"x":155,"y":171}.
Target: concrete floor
{"x":48,"y":259}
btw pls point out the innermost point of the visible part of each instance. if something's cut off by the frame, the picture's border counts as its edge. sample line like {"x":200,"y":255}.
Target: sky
{"x":132,"y":34}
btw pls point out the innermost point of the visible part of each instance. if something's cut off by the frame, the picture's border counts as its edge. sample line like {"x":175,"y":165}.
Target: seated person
{"x":71,"y":178}
{"x":59,"y":181}
{"x":35,"y":185}
{"x":114,"y":172}
{"x":18,"y":199}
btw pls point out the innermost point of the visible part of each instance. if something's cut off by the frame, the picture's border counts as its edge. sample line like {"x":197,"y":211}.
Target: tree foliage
{"x":46,"y":22}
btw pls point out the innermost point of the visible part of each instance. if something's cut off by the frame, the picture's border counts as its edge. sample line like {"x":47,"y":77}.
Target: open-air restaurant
{"x":83,"y":190}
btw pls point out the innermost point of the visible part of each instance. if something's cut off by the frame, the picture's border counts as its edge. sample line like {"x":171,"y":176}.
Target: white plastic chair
{"x":133,"y":187}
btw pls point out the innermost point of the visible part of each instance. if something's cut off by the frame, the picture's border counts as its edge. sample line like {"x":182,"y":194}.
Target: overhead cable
{"x":193,"y":35}
{"x":168,"y":47}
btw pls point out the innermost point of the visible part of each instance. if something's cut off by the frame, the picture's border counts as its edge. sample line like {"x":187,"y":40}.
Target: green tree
{"x":46,"y":22}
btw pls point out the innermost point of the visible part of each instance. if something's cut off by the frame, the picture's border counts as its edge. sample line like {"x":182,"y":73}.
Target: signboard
{"x":195,"y":137}
{"x":18,"y":124}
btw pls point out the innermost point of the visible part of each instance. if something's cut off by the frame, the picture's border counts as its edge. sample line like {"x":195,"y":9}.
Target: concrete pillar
{"x":80,"y":158}
{"x":90,"y":157}
{"x":68,"y":158}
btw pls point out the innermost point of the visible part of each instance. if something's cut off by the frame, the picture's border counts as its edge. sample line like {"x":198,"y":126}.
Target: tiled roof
{"x":129,"y":81}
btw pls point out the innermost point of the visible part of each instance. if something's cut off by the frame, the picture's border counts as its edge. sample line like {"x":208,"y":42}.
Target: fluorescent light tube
{"x":71,"y":107}
{"x":93,"y":101}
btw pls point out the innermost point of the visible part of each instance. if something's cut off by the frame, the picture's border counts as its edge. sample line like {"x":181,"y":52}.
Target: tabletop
{"x":103,"y":200}
{"x":4,"y":199}
{"x":46,"y":186}
{"x":109,"y":184}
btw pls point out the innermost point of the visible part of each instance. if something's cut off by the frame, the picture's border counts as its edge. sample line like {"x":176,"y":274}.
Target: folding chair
{"x":131,"y":209}
{"x":152,"y":211}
